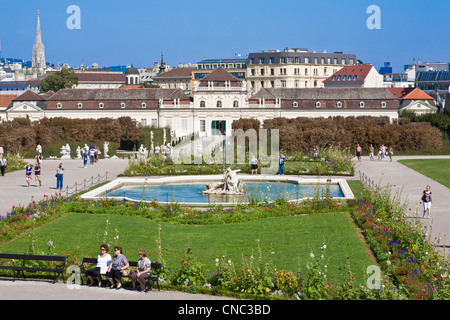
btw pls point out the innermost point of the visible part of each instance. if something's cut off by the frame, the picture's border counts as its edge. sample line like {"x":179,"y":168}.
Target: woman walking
{"x":427,"y":199}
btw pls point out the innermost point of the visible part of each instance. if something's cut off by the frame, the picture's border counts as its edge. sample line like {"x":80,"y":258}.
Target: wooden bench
{"x":154,"y":278}
{"x":58,"y":269}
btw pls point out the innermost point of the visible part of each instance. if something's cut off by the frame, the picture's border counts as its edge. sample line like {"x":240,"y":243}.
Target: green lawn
{"x":436,"y":169}
{"x":283,"y":240}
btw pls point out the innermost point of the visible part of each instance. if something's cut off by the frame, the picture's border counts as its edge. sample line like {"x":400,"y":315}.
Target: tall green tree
{"x":59,"y":80}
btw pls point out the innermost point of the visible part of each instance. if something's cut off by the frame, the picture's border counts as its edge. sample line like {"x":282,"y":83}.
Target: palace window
{"x":235,"y":104}
{"x":383,"y":104}
{"x":80,"y":105}
{"x":101,"y":105}
{"x":143,"y":105}
{"x":295,"y":104}
{"x":318,"y":104}
{"x":59,"y":105}
{"x":361,"y":104}
{"x":202,"y":125}
{"x":339,"y":104}
{"x":122,"y":105}
{"x":219,"y":104}
{"x":202,"y":104}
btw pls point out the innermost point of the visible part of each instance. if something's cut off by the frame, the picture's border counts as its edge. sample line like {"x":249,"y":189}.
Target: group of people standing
{"x":91,"y":154}
{"x":117,"y":267}
{"x":383,"y":152}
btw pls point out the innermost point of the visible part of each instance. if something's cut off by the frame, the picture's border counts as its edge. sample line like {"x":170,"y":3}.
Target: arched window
{"x":80,"y":105}
{"x":122,"y":105}
{"x":235,"y":104}
{"x":101,"y":105}
{"x":59,"y":105}
{"x":202,"y":104}
{"x":143,"y":105}
{"x":361,"y":104}
{"x":318,"y":104}
{"x":339,"y":104}
{"x":295,"y":104}
{"x":219,"y":104}
{"x":383,"y":104}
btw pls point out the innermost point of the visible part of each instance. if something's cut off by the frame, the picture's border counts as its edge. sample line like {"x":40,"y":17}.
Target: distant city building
{"x":175,"y":78}
{"x":397,"y":80}
{"x":386,"y":69}
{"x":293,"y":68}
{"x":236,"y":66}
{"x":357,"y":76}
{"x":434,"y":83}
{"x":132,"y":76}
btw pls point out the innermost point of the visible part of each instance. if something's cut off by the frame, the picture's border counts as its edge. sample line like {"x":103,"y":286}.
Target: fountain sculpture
{"x":230,"y":184}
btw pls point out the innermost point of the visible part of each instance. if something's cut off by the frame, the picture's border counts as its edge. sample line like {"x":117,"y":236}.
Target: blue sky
{"x":137,"y":31}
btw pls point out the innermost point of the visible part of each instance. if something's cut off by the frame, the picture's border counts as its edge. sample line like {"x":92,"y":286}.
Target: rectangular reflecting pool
{"x":191,"y":192}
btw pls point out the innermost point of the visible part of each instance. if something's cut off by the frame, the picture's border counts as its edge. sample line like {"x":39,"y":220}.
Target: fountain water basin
{"x":188,"y":189}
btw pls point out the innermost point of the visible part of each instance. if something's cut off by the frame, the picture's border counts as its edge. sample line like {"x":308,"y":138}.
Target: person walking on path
{"x":92,"y":154}
{"x":3,"y":164}
{"x":85,"y":157}
{"x":28,"y":170}
{"x":59,"y":177}
{"x":358,"y":152}
{"x":281,"y":160}
{"x":371,"y":150}
{"x":37,"y":174}
{"x":427,"y":199}
{"x":391,"y":153}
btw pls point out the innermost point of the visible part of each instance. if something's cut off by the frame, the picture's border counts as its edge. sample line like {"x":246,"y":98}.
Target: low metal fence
{"x":86,"y":184}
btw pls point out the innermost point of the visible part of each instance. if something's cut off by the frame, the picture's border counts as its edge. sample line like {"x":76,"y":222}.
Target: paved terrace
{"x":14,"y":190}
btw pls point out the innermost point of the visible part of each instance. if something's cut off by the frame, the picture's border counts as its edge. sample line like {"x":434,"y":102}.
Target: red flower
{"x":182,"y":261}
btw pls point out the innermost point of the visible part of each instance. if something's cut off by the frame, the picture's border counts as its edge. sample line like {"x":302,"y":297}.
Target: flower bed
{"x":402,"y":247}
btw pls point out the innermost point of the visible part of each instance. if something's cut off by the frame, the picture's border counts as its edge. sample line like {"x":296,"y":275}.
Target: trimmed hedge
{"x":302,"y":134}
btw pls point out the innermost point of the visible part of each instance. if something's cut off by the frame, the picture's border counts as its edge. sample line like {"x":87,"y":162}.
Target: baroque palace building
{"x":216,"y":102}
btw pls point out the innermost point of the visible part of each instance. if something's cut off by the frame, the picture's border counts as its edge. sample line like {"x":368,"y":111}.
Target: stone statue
{"x":65,"y":151}
{"x":230,"y":184}
{"x":143,"y":152}
{"x":39,"y":148}
{"x":78,"y":152}
{"x":106,"y":149}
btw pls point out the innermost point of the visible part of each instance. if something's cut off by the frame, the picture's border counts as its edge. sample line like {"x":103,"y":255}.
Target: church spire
{"x":38,"y":60}
{"x":38,"y":30}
